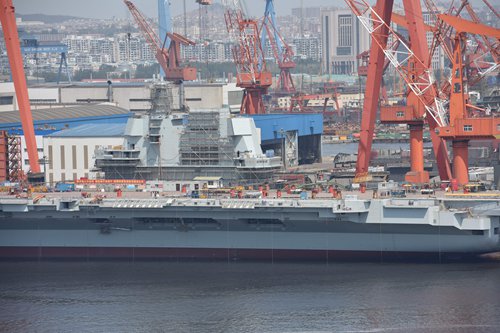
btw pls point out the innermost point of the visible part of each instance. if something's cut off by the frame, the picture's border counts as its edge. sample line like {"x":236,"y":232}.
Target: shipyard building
{"x":74,"y":122}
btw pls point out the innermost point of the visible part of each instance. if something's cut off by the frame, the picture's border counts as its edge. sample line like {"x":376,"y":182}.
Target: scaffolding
{"x":14,"y":159}
{"x":161,"y":101}
{"x":3,"y":156}
{"x":202,"y":142}
{"x":161,"y":98}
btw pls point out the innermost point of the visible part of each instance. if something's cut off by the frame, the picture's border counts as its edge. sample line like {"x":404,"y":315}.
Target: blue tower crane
{"x":282,"y":52}
{"x":270,"y":16}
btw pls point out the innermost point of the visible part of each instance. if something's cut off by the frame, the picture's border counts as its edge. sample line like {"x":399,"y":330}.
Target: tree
{"x":146,"y":71}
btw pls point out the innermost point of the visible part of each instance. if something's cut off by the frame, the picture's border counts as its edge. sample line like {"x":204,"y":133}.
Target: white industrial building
{"x":135,"y":97}
{"x":70,"y":153}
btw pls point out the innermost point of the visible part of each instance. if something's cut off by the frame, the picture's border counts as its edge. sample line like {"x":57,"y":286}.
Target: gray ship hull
{"x":245,"y":229}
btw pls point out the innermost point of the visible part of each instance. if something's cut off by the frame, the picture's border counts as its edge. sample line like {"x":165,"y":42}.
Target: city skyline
{"x":116,"y":8}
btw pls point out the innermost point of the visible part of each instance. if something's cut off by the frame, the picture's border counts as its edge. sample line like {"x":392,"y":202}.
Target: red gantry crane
{"x":169,"y":59}
{"x":455,"y":125}
{"x":415,"y":72}
{"x":464,"y":124}
{"x":8,"y":20}
{"x":252,"y":73}
{"x":300,"y":103}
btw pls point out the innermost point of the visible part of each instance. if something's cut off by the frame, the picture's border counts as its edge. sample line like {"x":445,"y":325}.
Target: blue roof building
{"x":48,"y":121}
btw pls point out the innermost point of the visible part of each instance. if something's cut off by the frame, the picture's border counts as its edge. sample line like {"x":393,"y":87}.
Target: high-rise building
{"x":307,"y":48}
{"x":437,"y":61}
{"x":343,"y":38}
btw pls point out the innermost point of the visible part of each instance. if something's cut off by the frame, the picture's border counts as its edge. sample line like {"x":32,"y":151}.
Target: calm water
{"x":248,"y":297}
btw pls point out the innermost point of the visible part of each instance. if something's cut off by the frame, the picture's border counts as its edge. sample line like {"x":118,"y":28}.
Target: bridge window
{"x":467,"y":128}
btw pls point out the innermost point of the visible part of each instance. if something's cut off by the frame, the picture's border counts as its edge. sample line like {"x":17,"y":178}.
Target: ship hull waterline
{"x":221,"y":254}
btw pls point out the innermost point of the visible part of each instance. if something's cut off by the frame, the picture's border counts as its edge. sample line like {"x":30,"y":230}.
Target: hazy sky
{"x":110,"y":8}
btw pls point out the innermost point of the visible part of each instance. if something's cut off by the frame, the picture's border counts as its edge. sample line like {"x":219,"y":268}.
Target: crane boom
{"x":169,"y":60}
{"x":491,"y":8}
{"x":462,"y":25}
{"x":270,"y":14}
{"x":8,"y":20}
{"x":421,"y":85}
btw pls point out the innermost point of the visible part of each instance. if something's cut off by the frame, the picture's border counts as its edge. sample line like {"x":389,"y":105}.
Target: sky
{"x":115,"y":8}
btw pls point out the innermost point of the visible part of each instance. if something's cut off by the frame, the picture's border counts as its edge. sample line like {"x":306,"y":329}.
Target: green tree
{"x":146,"y":71}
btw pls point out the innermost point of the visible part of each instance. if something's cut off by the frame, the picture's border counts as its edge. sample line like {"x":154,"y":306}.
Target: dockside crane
{"x":8,"y":21}
{"x":451,"y":123}
{"x":465,"y":123}
{"x":169,"y":59}
{"x":300,"y":103}
{"x":414,"y":71}
{"x":252,"y":73}
{"x":281,"y":50}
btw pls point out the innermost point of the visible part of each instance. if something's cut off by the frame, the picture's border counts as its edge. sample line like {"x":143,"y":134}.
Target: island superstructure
{"x":170,"y":144}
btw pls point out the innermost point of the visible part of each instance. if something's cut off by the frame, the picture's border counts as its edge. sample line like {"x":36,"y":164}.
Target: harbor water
{"x":331,"y":149}
{"x":248,"y":297}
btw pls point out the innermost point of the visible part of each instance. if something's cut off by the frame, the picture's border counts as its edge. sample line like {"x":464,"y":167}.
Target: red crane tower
{"x":423,"y":102}
{"x":169,"y":60}
{"x":462,"y":126}
{"x":252,"y":73}
{"x":8,"y":20}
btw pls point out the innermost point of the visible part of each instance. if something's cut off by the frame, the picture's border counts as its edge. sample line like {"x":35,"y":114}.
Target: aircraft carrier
{"x":255,"y":228}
